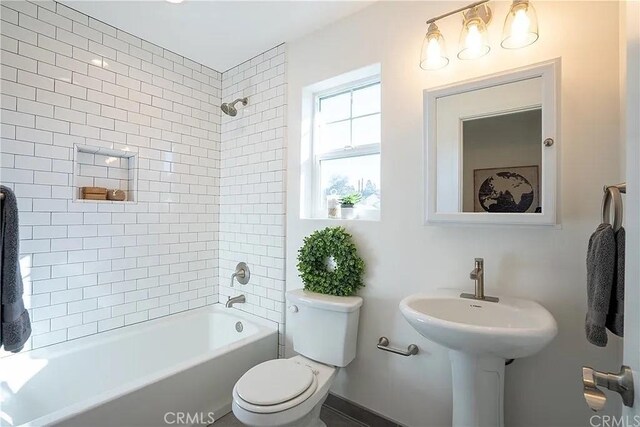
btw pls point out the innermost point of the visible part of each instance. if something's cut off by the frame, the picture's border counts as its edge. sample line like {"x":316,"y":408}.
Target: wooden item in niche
{"x":94,"y":193}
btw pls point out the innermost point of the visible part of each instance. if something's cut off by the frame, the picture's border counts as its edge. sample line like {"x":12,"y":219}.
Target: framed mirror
{"x":491,"y":148}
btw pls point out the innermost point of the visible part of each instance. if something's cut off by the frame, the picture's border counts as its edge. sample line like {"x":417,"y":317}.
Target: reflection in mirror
{"x":501,"y":163}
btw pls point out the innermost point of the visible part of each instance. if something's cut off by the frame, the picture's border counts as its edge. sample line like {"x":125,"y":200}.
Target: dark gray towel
{"x":601,"y":263}
{"x":615,"y":315}
{"x":14,"y":319}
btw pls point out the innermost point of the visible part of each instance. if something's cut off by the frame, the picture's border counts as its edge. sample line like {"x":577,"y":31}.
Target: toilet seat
{"x":275,"y":386}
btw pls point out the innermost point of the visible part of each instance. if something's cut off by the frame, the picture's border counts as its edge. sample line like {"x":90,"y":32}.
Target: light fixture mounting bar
{"x":462,"y":9}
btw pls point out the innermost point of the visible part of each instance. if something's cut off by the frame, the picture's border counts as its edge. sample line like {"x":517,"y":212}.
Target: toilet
{"x":290,"y":392}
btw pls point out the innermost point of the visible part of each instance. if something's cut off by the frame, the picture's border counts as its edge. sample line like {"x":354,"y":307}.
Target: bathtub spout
{"x":235,"y":300}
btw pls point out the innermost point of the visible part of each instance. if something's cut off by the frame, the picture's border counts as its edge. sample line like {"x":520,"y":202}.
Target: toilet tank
{"x":324,"y":328}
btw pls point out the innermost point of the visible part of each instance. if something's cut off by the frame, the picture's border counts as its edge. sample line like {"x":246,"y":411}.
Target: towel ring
{"x":612,"y":194}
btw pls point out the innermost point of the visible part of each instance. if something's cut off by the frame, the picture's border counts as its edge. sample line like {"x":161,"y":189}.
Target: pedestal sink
{"x":480,"y":336}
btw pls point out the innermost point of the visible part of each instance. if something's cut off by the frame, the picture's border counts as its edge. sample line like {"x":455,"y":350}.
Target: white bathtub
{"x":178,"y":370}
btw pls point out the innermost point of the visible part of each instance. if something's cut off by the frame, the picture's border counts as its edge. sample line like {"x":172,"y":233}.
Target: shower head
{"x":229,"y":108}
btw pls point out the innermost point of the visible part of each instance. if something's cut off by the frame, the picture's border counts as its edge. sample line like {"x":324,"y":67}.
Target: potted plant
{"x":347,"y":203}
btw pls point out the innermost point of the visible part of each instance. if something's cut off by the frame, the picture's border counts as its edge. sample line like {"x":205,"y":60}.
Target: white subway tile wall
{"x":252,"y":185}
{"x":68,"y":79}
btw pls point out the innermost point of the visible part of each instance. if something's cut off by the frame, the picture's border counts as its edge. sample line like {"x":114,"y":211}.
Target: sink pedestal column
{"x":478,"y":390}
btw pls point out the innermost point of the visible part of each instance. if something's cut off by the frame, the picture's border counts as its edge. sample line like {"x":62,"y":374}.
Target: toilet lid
{"x":274,"y":382}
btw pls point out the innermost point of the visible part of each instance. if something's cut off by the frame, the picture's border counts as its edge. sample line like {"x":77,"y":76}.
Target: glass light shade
{"x":474,"y":41}
{"x":520,"y":26}
{"x":433,"y":55}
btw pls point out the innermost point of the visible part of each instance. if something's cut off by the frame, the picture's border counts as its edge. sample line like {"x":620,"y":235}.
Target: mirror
{"x":491,"y":149}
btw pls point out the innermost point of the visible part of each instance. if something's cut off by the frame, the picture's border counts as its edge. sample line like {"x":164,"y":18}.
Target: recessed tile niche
{"x":108,"y":168}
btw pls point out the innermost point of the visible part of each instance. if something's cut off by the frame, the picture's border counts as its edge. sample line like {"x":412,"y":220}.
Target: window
{"x":346,"y":147}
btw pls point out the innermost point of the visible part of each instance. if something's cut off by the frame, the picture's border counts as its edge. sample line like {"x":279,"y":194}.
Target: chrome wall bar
{"x":383,"y":344}
{"x":462,"y":9}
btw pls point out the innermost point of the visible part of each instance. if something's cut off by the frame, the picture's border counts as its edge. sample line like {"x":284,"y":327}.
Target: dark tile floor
{"x":328,"y":415}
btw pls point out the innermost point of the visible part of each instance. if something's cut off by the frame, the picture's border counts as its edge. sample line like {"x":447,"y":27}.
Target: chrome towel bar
{"x":383,"y":344}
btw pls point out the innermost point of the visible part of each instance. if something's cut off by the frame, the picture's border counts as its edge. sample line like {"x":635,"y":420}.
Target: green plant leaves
{"x":346,"y":279}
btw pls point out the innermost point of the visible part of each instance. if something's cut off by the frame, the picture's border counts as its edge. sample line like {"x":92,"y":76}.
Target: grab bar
{"x":383,"y":344}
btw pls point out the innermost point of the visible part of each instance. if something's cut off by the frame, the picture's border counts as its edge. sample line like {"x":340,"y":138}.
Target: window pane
{"x":334,"y":136}
{"x":352,"y":174}
{"x":366,"y":100}
{"x":337,"y":107}
{"x":366,"y":130}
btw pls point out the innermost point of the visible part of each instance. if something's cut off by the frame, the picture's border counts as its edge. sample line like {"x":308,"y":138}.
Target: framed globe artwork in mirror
{"x":491,"y":148}
{"x":510,"y":190}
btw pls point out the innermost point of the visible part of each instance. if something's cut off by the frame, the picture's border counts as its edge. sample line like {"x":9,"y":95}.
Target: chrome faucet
{"x":477,"y":274}
{"x":235,"y":300}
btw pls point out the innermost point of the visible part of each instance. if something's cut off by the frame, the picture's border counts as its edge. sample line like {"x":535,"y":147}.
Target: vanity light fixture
{"x":520,"y":30}
{"x":520,"y":26}
{"x":434,"y":53}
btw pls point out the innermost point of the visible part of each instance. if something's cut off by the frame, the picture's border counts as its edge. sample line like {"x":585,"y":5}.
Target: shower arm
{"x":243,"y":100}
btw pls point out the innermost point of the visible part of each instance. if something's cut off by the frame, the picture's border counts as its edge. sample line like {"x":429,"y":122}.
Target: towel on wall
{"x":601,"y":263}
{"x":15,"y":325}
{"x":615,"y":315}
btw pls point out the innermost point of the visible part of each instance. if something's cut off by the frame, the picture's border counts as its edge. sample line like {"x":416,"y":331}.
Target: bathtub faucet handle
{"x":242,"y":274}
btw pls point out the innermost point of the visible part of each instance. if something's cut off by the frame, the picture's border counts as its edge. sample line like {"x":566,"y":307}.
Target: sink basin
{"x":480,"y":336}
{"x":510,"y":328}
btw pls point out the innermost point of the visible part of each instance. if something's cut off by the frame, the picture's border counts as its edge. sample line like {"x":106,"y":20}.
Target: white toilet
{"x":290,"y":392}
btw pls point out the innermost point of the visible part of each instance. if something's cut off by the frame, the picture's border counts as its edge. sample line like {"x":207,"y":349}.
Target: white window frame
{"x":318,"y":200}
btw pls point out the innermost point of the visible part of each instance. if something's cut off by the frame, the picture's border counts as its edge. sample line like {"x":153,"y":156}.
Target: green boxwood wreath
{"x":346,"y":278}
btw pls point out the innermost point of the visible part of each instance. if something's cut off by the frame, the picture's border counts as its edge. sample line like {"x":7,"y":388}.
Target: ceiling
{"x":219,"y":34}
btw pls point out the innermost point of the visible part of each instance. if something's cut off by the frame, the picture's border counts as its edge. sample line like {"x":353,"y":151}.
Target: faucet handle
{"x":242,"y":274}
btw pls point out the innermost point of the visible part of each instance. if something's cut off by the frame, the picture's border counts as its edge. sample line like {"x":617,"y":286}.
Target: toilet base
{"x":311,"y":419}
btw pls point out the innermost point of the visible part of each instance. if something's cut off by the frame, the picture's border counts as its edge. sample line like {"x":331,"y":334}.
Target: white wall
{"x":404,"y":256}
{"x":252,"y":184}
{"x":94,"y":266}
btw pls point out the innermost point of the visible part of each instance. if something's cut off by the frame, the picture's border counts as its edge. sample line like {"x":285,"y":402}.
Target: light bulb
{"x":433,"y":53}
{"x":520,"y":27}
{"x":473,"y":41}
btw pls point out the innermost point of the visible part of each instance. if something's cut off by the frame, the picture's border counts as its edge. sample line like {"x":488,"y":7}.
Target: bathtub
{"x":177,"y":370}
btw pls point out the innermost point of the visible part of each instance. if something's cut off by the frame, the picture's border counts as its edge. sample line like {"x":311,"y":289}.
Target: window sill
{"x":370,"y":216}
